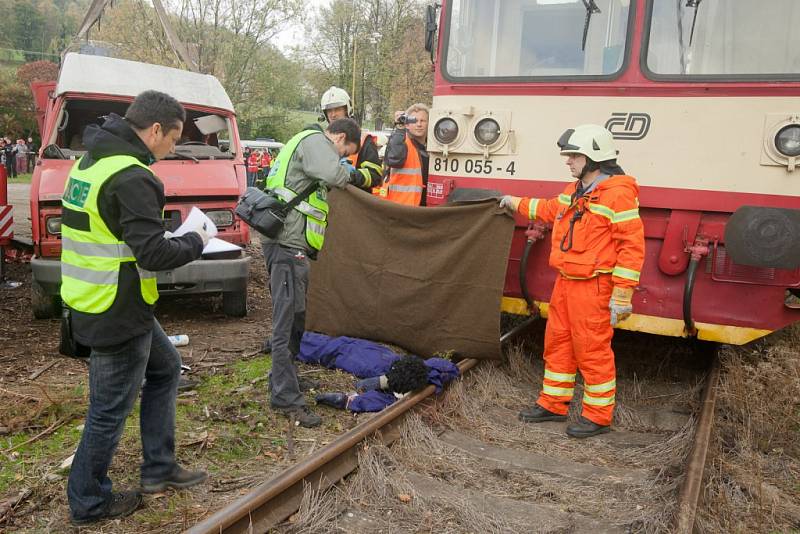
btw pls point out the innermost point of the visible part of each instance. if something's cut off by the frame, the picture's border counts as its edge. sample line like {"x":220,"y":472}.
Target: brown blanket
{"x":429,"y":280}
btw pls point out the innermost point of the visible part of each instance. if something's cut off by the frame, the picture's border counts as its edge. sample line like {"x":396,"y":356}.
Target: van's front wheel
{"x":44,"y":305}
{"x":234,"y":303}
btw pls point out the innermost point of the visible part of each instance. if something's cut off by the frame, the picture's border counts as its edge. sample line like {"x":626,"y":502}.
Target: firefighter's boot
{"x":537,"y":414}
{"x":586,"y":429}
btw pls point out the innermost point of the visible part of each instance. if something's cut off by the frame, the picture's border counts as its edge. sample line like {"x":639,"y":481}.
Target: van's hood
{"x":181,"y":178}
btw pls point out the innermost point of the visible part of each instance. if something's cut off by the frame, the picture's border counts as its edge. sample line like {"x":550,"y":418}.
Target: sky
{"x":294,"y":34}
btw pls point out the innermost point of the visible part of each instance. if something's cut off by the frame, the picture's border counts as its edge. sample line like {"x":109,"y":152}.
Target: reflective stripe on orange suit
{"x":607,"y":250}
{"x":252,"y":162}
{"x":405,"y":184}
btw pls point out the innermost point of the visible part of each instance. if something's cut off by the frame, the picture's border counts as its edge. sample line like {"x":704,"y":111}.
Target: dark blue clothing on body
{"x":366,"y":359}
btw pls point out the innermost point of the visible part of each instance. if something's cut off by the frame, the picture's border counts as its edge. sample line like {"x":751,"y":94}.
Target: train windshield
{"x":536,"y":38}
{"x":724,"y":38}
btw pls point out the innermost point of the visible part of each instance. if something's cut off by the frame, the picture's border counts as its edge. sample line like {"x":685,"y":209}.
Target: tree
{"x":374,"y":49}
{"x":37,"y":71}
{"x":28,"y":27}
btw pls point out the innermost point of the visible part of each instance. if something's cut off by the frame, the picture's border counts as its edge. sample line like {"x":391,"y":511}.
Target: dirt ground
{"x":222,"y":425}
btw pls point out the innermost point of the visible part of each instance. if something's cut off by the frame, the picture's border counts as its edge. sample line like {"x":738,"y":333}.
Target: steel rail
{"x":689,"y":495}
{"x":275,"y":500}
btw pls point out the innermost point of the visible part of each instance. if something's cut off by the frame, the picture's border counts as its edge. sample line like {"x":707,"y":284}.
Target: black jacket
{"x":397,"y":152}
{"x":369,"y":152}
{"x":131,"y":204}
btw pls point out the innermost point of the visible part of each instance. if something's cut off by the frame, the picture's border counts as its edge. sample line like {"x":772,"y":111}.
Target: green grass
{"x":20,"y":179}
{"x":305,"y":117}
{"x":43,"y":455}
{"x":233,"y":426}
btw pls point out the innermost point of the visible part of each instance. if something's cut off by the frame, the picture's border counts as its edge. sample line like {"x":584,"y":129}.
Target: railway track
{"x":464,"y":463}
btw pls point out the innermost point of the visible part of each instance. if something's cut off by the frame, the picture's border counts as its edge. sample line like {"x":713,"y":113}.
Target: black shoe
{"x":307,"y":384}
{"x":537,"y":414}
{"x":586,"y":429}
{"x":185,"y":384}
{"x":122,"y":504}
{"x":179,"y":479}
{"x":336,"y":400}
{"x":266,"y":348}
{"x":302,"y":414}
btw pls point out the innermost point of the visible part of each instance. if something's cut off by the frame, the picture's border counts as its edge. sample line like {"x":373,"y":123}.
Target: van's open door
{"x":41,"y":99}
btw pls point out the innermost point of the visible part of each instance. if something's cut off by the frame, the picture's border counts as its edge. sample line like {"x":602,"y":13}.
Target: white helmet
{"x":335,"y":97}
{"x":591,"y":140}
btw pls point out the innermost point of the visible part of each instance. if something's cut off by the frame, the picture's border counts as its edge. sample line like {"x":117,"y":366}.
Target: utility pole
{"x":355,"y":50}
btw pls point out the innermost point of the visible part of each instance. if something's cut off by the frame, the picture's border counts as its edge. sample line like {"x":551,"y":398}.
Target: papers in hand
{"x":218,"y":245}
{"x":195,"y":221}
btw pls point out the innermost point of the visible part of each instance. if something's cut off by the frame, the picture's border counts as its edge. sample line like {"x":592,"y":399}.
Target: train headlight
{"x":53,"y":225}
{"x":787,"y":141}
{"x":487,"y":132}
{"x":220,"y":218}
{"x":445,"y":131}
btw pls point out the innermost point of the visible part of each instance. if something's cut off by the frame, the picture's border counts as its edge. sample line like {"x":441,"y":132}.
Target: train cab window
{"x":723,"y":39}
{"x":536,"y":38}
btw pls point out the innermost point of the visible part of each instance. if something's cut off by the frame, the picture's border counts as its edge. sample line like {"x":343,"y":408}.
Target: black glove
{"x":357,"y":178}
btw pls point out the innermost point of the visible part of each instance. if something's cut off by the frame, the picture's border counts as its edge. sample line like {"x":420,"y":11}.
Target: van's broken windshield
{"x":200,"y":139}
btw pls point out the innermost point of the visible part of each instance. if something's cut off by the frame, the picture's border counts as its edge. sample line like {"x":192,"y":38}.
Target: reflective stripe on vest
{"x":91,"y":258}
{"x":315,"y":208}
{"x":405,"y":184}
{"x":304,"y":207}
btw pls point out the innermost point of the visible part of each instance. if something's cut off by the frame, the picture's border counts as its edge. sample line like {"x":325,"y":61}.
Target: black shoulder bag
{"x":265,"y":212}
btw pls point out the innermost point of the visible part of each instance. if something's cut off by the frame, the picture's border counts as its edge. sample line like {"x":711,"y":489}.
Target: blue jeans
{"x":251,"y":178}
{"x":115,"y":378}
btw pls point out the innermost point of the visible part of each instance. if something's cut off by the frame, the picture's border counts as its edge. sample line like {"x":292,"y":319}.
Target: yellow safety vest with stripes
{"x":315,"y":208}
{"x":90,"y":254}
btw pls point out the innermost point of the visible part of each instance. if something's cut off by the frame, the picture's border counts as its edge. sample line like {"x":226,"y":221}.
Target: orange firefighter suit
{"x":597,"y":243}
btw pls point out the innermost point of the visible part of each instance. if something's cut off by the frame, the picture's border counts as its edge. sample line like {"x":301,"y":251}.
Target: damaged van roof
{"x":105,"y":75}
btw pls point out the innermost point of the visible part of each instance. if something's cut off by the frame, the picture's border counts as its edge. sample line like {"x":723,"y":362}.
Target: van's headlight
{"x":787,"y":140}
{"x":53,"y":225}
{"x":445,"y":131}
{"x":220,"y":218}
{"x":487,"y":132}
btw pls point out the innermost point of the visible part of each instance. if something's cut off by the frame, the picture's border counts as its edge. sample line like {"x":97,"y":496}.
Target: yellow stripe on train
{"x":662,"y":326}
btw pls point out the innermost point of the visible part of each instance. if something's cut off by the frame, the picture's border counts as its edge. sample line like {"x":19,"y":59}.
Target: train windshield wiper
{"x":696,"y":5}
{"x":591,"y":9}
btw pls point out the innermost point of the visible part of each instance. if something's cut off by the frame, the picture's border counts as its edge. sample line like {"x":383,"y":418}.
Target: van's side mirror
{"x":430,"y":28}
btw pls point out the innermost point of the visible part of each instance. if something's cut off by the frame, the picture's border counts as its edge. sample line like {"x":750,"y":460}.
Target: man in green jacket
{"x":113,"y":241}
{"x":310,"y":157}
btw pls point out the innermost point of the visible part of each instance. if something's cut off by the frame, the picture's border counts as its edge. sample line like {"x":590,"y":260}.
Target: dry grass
{"x":754,"y":472}
{"x":753,"y":480}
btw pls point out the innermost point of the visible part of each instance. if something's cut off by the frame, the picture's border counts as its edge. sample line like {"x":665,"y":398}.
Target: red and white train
{"x":703,"y":99}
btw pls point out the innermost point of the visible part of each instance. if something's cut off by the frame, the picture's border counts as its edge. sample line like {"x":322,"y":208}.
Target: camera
{"x":405,"y":119}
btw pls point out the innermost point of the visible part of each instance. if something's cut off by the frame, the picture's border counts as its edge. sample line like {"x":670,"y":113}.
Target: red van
{"x":206,"y":171}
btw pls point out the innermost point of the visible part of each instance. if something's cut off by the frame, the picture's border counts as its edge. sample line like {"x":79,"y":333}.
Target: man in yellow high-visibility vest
{"x":112,"y":242}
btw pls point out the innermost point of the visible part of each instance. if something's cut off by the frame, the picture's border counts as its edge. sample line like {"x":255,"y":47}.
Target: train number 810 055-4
{"x":473,"y":166}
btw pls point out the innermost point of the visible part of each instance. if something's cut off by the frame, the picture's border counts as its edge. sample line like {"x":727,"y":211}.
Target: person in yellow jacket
{"x":113,"y":241}
{"x":598,"y":251}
